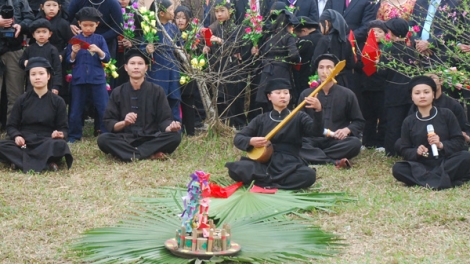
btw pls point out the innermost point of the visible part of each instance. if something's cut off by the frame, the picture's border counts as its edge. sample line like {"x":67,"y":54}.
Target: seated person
{"x":445,"y":167}
{"x":139,"y":117}
{"x":342,"y":119}
{"x":285,"y":169}
{"x":37,"y":126}
{"x":441,"y":100}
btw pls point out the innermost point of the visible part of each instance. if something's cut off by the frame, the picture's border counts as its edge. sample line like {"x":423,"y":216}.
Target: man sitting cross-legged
{"x":342,"y":121}
{"x":139,"y":117}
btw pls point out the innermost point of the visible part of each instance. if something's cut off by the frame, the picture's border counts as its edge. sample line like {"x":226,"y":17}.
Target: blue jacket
{"x":87,"y":69}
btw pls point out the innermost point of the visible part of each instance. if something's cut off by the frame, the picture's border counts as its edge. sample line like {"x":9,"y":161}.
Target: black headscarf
{"x":277,"y":84}
{"x":337,"y":23}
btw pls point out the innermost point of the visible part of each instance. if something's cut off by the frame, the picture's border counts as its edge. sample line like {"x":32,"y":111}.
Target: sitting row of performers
{"x":326,"y":131}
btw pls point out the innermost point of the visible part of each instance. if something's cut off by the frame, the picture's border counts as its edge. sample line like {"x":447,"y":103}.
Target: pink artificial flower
{"x":68,"y":77}
{"x":254,"y":8}
{"x":314,"y":84}
{"x":453,"y":69}
{"x":464,"y":13}
{"x":387,"y":37}
{"x":108,"y":87}
{"x":416,"y":28}
{"x":247,"y":15}
{"x":258,"y":30}
{"x":248,"y":30}
{"x":291,"y":6}
{"x":260,"y":18}
{"x":195,"y":21}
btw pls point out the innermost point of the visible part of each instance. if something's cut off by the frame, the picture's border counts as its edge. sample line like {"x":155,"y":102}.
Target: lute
{"x":263,"y":154}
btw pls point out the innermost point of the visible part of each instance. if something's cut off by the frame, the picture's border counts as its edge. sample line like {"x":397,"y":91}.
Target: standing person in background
{"x":164,"y":69}
{"x":335,"y":41}
{"x":307,"y":8}
{"x":41,"y":30}
{"x":11,"y":50}
{"x":88,"y":76}
{"x":357,"y":14}
{"x":397,"y":102}
{"x":372,"y":89}
{"x":54,"y":11}
{"x":278,"y":52}
{"x":226,"y":56}
{"x":308,"y":34}
{"x":110,"y":21}
{"x":183,"y":18}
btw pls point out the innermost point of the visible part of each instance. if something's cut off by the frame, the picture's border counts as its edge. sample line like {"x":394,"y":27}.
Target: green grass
{"x":42,"y":215}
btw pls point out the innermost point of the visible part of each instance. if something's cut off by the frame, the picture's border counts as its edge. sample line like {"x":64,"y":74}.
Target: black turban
{"x":378,"y":24}
{"x":133,"y":53}
{"x":306,"y":22}
{"x":39,"y":62}
{"x":277,"y":84}
{"x":39,"y":23}
{"x":417,"y":80}
{"x":88,"y":14}
{"x":327,"y":56}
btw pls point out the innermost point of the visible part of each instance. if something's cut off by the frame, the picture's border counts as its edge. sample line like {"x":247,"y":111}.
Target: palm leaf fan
{"x":245,"y":203}
{"x":273,"y":238}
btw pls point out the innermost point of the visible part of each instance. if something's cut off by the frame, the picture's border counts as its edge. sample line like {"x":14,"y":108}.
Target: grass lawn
{"x":41,"y":215}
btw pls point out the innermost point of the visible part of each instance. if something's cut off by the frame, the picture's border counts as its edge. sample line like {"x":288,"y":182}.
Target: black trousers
{"x":395,"y":117}
{"x":321,"y":150}
{"x":189,"y":113}
{"x":374,"y":114}
{"x":128,"y":148}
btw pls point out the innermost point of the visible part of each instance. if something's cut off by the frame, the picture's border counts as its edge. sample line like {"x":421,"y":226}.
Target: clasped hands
{"x":434,"y":139}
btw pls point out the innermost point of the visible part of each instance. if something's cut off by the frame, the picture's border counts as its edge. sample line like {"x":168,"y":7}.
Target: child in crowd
{"x":60,"y":27}
{"x":164,"y":70}
{"x":88,"y":75}
{"x":227,"y":53}
{"x":183,"y":18}
{"x":397,"y":101}
{"x":373,"y":97}
{"x":279,"y":52}
{"x":61,"y":34}
{"x":41,"y":30}
{"x":308,"y":37}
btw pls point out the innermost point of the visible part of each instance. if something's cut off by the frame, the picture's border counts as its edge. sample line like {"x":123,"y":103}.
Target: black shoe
{"x":97,"y":133}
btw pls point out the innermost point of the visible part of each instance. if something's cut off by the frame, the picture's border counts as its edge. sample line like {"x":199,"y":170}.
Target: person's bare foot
{"x":159,"y":156}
